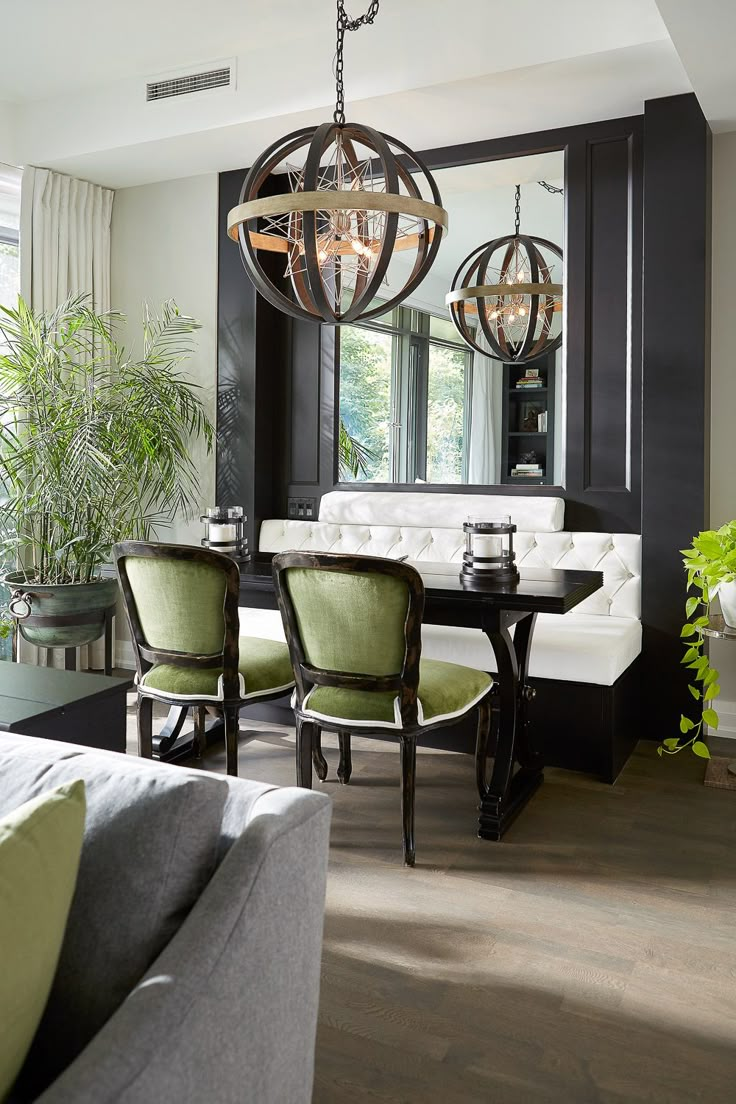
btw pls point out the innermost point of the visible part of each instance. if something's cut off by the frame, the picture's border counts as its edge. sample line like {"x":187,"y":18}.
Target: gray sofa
{"x":190,"y":965}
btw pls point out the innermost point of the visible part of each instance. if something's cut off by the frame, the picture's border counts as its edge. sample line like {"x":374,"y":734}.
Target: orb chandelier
{"x":358,"y":200}
{"x":505,"y":290}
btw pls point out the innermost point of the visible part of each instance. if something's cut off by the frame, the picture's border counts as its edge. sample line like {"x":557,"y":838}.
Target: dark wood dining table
{"x":518,"y":767}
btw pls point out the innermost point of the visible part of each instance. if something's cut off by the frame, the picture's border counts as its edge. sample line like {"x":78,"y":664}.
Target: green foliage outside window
{"x":365,"y":397}
{"x":445,"y":403}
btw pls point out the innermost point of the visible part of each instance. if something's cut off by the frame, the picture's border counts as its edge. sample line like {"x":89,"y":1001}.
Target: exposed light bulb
{"x":522,"y":311}
{"x":494,"y":314}
{"x":512,"y":317}
{"x":358,"y":246}
{"x":322,"y":256}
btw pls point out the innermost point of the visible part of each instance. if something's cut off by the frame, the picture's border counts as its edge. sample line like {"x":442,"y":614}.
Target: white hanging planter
{"x":727,"y":595}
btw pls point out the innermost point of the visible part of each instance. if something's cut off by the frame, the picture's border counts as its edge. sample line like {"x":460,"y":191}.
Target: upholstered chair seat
{"x":446,"y":691}
{"x":264,"y":665}
{"x":182,"y":608}
{"x":354,"y":629}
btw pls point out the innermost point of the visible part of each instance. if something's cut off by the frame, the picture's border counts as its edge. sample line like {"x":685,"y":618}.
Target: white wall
{"x":8,"y":144}
{"x":723,"y":387}
{"x":164,"y":246}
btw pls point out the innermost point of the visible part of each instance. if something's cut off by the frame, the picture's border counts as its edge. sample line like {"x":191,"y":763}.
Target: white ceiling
{"x":704,"y":34}
{"x":433,"y":73}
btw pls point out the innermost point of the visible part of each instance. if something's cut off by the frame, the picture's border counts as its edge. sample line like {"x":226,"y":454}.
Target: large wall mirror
{"x":416,"y":403}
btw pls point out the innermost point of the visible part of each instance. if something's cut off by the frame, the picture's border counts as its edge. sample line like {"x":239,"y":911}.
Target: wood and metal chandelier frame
{"x":355,"y":202}
{"x":504,"y":290}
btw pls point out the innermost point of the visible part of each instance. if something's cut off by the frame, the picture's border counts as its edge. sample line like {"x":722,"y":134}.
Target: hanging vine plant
{"x":710,"y":563}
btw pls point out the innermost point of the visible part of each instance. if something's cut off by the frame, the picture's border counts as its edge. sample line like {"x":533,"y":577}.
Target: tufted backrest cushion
{"x":533,"y":514}
{"x":617,"y":555}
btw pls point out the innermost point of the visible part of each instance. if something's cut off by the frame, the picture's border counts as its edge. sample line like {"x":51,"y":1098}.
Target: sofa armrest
{"x":228,"y":1011}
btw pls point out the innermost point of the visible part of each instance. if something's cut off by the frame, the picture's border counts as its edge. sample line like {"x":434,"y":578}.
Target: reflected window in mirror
{"x":404,"y":398}
{"x":416,"y":402}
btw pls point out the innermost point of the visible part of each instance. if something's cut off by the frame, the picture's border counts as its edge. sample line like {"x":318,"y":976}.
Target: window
{"x":404,"y":387}
{"x":366,"y":359}
{"x":445,"y":414}
{"x":9,"y":235}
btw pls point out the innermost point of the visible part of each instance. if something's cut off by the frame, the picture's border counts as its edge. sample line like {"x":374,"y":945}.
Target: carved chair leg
{"x":200,"y":737}
{"x":345,"y":767}
{"x":232,"y":726}
{"x":320,"y":763}
{"x":408,"y":772}
{"x":305,"y":736}
{"x":485,"y":714}
{"x":145,"y":727}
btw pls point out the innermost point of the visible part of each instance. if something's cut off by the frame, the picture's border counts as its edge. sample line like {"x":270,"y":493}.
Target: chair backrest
{"x":352,"y":622}
{"x":182,"y":607}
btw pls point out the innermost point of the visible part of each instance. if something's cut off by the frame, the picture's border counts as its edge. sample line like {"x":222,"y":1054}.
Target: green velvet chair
{"x":182,"y":608}
{"x":354,"y":629}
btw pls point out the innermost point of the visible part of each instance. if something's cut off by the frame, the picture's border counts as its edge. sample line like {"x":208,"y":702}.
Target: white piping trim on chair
{"x":349,"y":722}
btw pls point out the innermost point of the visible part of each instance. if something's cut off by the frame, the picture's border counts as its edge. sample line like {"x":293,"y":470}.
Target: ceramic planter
{"x":727,"y":595}
{"x":60,"y":616}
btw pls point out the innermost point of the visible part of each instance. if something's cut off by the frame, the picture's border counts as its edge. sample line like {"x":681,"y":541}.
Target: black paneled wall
{"x":637,"y":232}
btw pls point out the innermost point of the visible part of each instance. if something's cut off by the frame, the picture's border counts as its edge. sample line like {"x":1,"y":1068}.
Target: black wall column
{"x":676,"y":408}
{"x":253,"y":349}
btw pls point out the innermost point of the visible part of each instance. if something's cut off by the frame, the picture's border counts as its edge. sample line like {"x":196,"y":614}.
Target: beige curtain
{"x":64,"y":250}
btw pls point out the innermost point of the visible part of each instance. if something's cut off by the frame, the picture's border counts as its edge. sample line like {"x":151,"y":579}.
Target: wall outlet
{"x":302,"y":509}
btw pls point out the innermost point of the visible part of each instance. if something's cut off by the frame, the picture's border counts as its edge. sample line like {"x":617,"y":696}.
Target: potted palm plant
{"x":94,"y":448}
{"x":710,"y":564}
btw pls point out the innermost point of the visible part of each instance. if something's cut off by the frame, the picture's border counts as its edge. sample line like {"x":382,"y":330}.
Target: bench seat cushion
{"x":574,"y":648}
{"x":579,"y":647}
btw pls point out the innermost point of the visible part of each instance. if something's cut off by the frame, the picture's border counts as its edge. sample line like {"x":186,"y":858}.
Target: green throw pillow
{"x":40,"y":845}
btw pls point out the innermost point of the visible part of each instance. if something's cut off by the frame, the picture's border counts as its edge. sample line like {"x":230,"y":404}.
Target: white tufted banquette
{"x":595,"y":643}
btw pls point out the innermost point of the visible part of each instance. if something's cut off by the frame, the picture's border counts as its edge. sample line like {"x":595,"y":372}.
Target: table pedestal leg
{"x":508,"y":791}
{"x":171,"y":747}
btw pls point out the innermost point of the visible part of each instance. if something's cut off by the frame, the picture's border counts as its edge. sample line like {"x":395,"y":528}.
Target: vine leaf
{"x":671,"y":742}
{"x":701,"y":749}
{"x":695,"y":692}
{"x":711,"y":718}
{"x":685,"y":723}
{"x":687,"y":630}
{"x":690,"y":606}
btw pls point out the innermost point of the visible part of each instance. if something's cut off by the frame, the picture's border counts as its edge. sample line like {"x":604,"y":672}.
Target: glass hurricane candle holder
{"x":224,"y":530}
{"x":489,"y":551}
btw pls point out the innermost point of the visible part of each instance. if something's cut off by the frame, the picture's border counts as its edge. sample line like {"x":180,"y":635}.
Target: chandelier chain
{"x":344,"y":23}
{"x":551,"y":188}
{"x":517,"y":209}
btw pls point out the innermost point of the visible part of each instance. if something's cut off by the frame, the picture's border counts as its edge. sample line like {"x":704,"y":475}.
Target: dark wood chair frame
{"x":405,"y":683}
{"x":146,"y":657}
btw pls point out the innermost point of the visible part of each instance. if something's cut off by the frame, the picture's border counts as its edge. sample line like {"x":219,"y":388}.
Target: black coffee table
{"x":72,"y":706}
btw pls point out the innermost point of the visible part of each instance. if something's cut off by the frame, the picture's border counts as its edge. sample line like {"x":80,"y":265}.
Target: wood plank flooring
{"x":590,"y":956}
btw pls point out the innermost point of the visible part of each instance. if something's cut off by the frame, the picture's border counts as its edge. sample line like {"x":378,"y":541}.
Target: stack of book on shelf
{"x":527,"y":471}
{"x":542,"y":422}
{"x":531,"y":380}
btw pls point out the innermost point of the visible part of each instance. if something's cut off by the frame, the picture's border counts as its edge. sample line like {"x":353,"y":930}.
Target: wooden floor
{"x":590,"y":956}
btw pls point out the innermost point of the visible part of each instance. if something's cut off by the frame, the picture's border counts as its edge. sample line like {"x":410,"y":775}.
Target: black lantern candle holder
{"x":224,"y":531}
{"x":489,"y":555}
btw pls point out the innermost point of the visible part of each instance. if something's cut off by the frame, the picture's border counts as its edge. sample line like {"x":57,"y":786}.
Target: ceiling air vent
{"x":167,"y":88}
